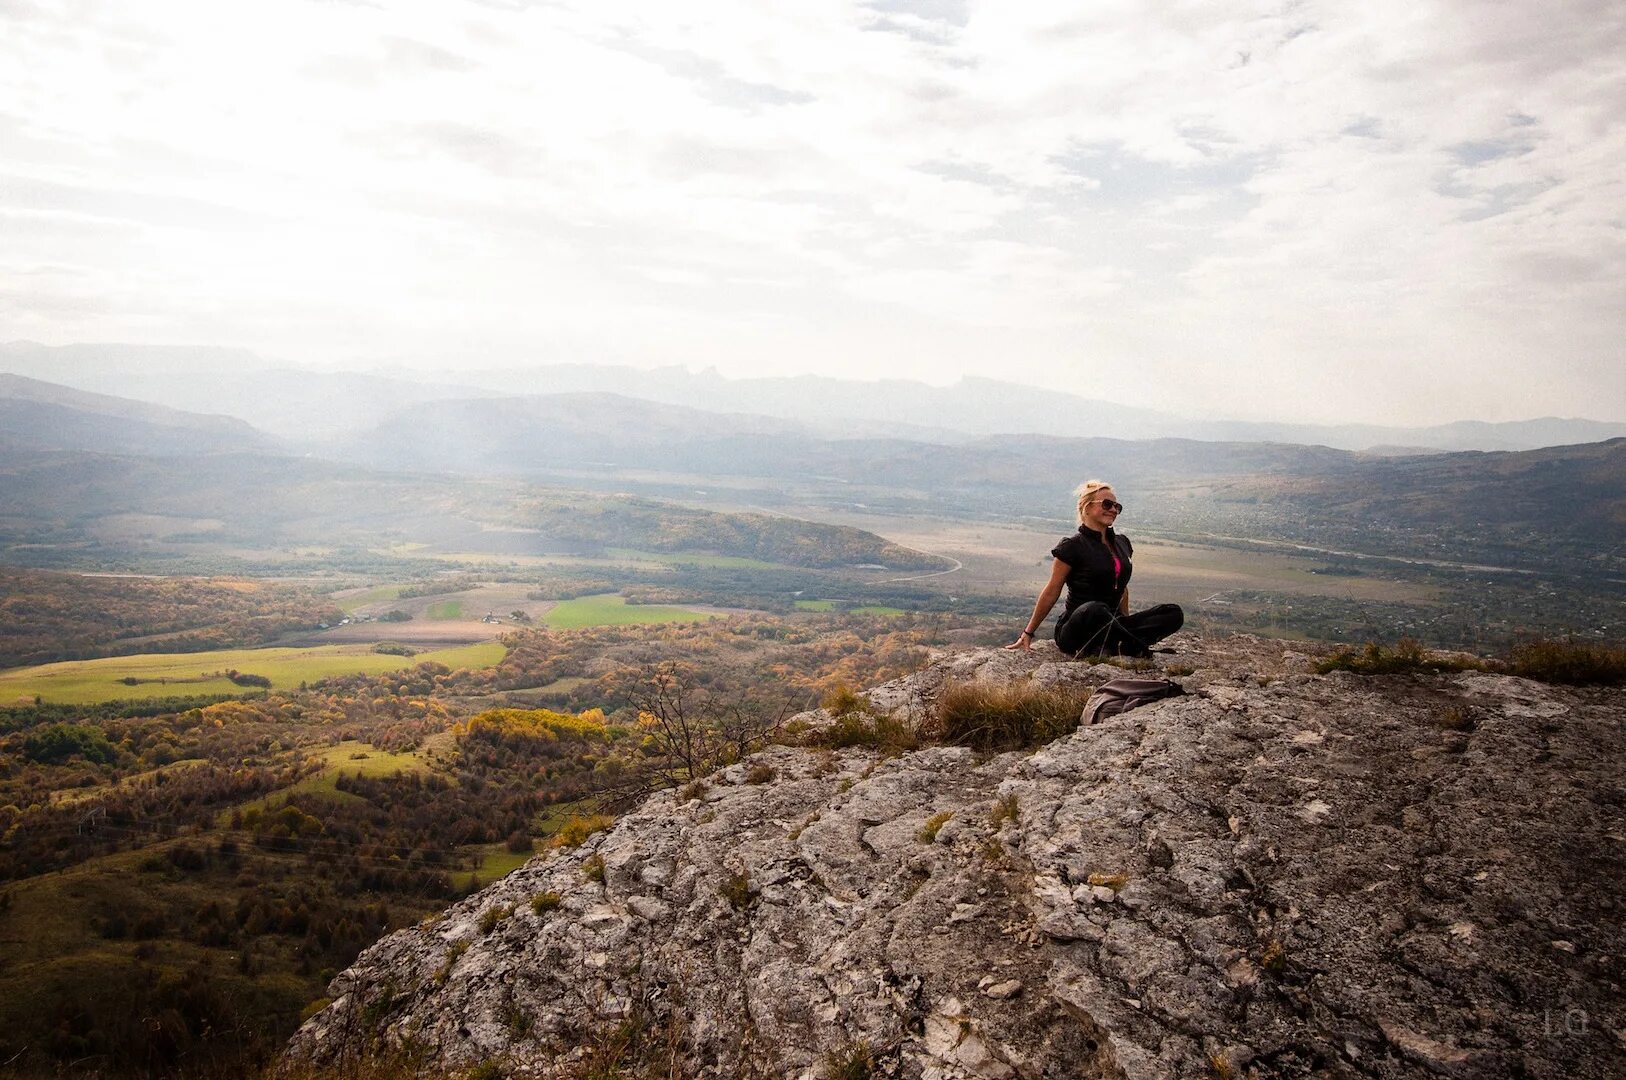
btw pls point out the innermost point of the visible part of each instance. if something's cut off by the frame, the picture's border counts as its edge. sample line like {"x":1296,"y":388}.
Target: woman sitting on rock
{"x":1094,"y":565}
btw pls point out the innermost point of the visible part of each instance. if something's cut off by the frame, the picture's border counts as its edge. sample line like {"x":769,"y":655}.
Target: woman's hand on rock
{"x":1025,"y":643}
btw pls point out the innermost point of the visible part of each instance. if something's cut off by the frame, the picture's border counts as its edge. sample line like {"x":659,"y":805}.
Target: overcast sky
{"x":1402,"y":211}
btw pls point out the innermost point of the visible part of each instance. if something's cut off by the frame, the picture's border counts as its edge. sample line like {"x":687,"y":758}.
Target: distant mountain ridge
{"x":1483,"y":507}
{"x":314,"y":404}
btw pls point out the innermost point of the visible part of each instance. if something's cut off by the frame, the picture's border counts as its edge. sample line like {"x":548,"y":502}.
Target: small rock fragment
{"x":1004,"y":991}
{"x":1314,"y":811}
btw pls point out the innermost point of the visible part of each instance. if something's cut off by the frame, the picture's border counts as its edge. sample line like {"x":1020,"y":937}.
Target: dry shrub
{"x":841,"y":700}
{"x":492,"y":917}
{"x":404,"y":1064}
{"x":1406,"y":657}
{"x":575,"y":831}
{"x":1578,"y":663}
{"x":866,"y":729}
{"x":1002,"y":716}
{"x":738,"y":891}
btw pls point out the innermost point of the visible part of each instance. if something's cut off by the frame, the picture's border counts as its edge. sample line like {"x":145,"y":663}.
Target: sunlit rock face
{"x":1278,"y":874}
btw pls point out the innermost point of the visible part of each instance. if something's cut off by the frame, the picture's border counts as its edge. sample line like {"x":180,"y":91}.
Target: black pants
{"x":1093,"y":629}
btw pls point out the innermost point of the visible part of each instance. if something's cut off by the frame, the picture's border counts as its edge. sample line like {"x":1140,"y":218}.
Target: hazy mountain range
{"x":325,"y":406}
{"x":1517,"y":508}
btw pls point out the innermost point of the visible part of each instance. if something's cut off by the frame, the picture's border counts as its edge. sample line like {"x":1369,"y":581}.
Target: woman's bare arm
{"x":1047,"y":600}
{"x":1123,"y":603}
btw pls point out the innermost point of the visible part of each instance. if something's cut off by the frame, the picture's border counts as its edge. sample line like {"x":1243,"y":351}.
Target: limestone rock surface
{"x":1279,"y":874}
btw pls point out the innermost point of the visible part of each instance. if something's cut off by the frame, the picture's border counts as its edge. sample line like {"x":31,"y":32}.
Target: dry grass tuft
{"x":928,"y":832}
{"x":855,"y":1061}
{"x":1005,"y":809}
{"x":493,"y":916}
{"x":1007,"y":716}
{"x":1407,"y":657}
{"x":737,"y":890}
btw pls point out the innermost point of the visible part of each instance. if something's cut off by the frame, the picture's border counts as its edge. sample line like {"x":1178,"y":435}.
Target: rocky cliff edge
{"x":1278,"y":874}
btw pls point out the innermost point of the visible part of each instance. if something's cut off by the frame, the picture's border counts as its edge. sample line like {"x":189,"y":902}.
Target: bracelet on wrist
{"x":1027,"y":633}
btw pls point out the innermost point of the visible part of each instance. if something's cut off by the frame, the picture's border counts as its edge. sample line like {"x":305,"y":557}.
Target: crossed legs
{"x":1093,"y":629}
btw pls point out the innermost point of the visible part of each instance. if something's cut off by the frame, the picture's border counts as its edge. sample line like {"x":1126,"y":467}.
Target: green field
{"x":495,"y":861}
{"x":349,"y":604}
{"x":830,"y":605}
{"x":349,"y":757}
{"x":446,"y":609}
{"x":610,"y":609}
{"x":549,"y":692}
{"x":80,"y":682}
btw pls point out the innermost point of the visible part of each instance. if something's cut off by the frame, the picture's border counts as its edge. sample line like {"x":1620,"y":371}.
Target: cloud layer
{"x":1394,"y":211}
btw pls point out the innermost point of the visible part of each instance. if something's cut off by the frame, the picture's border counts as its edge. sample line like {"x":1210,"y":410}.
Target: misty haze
{"x":525,"y":530}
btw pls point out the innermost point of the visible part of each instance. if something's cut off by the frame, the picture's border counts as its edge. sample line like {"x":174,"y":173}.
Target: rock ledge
{"x":1280,"y":874}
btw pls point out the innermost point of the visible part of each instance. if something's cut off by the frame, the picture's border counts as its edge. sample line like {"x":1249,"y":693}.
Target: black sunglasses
{"x":1108,"y":504}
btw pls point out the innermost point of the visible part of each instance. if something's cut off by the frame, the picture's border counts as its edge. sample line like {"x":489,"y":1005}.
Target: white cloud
{"x":1314,"y":210}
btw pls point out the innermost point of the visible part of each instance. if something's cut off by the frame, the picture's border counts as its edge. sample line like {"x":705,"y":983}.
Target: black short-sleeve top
{"x":1095,"y":571}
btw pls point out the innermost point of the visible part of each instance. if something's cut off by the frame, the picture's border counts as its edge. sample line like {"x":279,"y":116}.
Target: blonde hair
{"x":1086,"y":491}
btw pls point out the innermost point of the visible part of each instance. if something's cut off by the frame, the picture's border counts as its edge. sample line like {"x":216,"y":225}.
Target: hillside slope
{"x":45,"y":416}
{"x":1279,"y":874}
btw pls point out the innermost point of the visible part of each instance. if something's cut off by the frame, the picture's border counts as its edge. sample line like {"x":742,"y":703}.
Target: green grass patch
{"x":495,"y":860}
{"x":693,"y":558}
{"x":355,"y":758}
{"x":611,"y":609}
{"x":157,"y":675}
{"x":446,"y":609}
